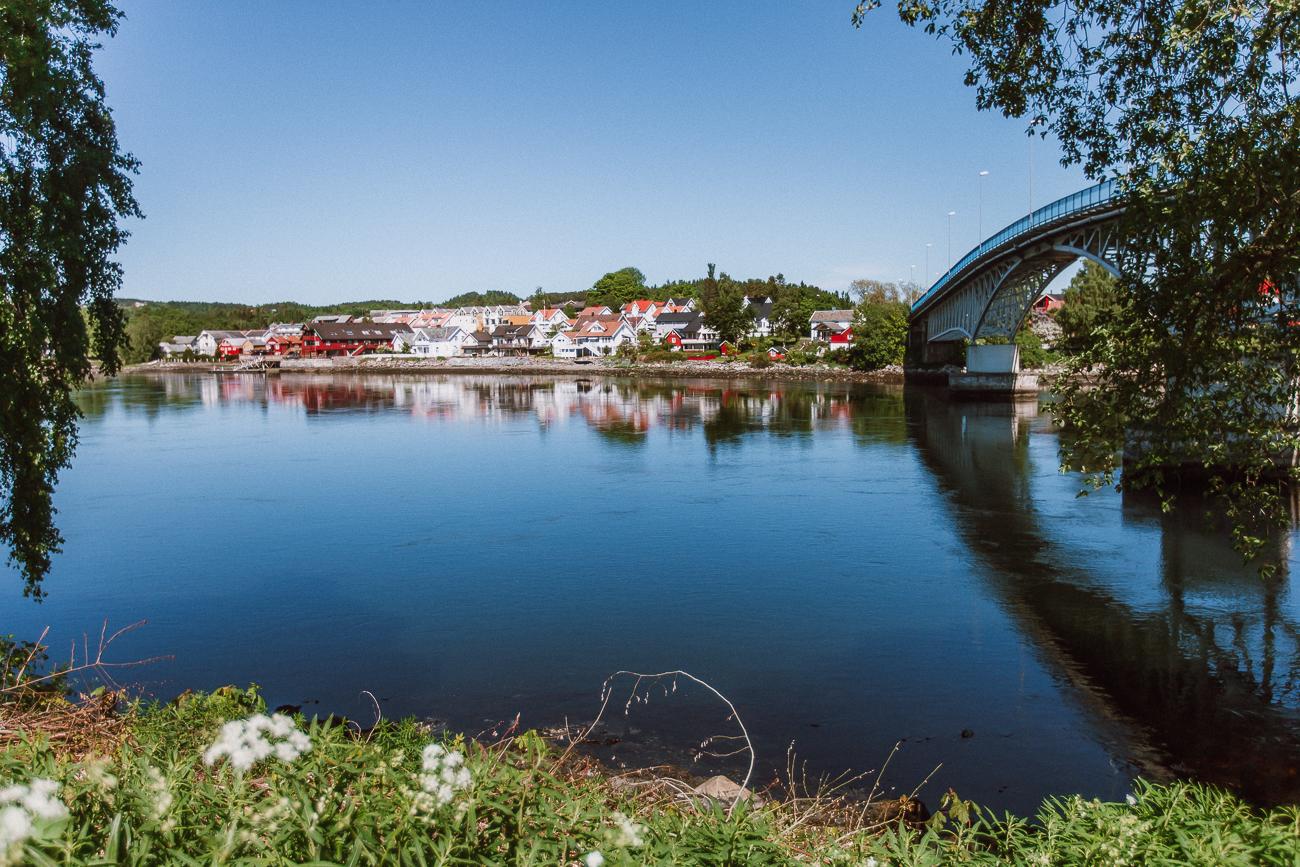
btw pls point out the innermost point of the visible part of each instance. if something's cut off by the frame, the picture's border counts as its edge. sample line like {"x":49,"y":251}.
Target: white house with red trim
{"x":825,"y":324}
{"x":551,"y":319}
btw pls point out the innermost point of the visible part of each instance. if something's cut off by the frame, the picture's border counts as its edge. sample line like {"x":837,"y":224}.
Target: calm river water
{"x":853,"y":567}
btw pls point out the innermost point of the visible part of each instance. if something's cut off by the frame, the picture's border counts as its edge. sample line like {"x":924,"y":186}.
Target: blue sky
{"x":325,"y":151}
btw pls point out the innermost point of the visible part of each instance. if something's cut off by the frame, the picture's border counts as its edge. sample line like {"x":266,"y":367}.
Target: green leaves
{"x":618,"y":288}
{"x":64,"y":190}
{"x":1190,"y":361}
{"x":723,"y":300}
{"x":879,"y":334}
{"x":350,"y":801}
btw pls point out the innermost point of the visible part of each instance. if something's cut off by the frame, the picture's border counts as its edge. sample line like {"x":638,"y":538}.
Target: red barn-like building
{"x":348,"y":338}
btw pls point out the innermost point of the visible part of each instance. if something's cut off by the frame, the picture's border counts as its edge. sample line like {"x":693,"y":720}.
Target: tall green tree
{"x":723,"y":300}
{"x":864,"y":290}
{"x":793,"y":305}
{"x":1092,"y":299}
{"x":65,"y":187}
{"x":1194,"y":107}
{"x":617,"y":288}
{"x":879,"y":333}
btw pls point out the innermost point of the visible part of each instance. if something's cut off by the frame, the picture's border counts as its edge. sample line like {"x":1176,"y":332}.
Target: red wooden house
{"x":283,"y":344}
{"x":348,"y":338}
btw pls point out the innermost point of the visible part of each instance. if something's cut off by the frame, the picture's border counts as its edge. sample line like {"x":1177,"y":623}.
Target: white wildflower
{"x":593,"y":859}
{"x":22,"y":806}
{"x":1132,"y":801}
{"x":160,"y":795}
{"x":247,"y":742}
{"x":870,"y":862}
{"x":444,"y":774}
{"x":630,"y":834}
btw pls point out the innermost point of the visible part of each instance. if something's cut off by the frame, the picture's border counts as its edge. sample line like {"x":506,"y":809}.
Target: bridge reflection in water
{"x":1207,"y":680}
{"x":1192,"y":661}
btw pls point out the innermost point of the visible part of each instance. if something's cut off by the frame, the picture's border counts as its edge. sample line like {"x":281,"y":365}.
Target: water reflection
{"x":1189,"y":664}
{"x":1209,"y":678}
{"x":621,"y":410}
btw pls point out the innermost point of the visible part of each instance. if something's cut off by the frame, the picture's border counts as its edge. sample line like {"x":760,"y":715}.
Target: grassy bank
{"x":212,"y":779}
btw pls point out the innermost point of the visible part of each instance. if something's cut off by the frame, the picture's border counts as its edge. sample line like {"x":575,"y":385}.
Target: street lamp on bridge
{"x":951,"y":214}
{"x":979,"y":234}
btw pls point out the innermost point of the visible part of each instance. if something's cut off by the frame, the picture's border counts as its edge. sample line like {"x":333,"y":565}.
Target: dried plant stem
{"x":606,"y":693}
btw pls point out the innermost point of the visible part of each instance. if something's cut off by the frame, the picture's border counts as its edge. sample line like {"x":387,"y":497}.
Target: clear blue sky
{"x":324,"y":151}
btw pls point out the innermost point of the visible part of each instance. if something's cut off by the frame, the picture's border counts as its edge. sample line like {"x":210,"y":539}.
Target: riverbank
{"x":214,"y":779}
{"x":397,"y":364}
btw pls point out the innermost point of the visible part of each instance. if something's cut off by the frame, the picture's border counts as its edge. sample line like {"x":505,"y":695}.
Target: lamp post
{"x":980,"y":231}
{"x":951,"y":214}
{"x":1035,"y":122}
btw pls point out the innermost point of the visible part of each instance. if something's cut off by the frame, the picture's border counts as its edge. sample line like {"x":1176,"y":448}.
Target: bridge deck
{"x":1099,"y":197}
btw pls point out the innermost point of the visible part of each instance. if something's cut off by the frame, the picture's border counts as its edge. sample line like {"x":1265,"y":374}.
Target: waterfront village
{"x":674,"y":325}
{"x":503,"y":330}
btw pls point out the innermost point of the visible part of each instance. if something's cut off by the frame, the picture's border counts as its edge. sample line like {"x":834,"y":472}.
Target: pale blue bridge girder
{"x":991,"y":289}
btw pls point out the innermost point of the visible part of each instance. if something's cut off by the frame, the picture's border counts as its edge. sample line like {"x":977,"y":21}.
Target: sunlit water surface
{"x":852,"y":567}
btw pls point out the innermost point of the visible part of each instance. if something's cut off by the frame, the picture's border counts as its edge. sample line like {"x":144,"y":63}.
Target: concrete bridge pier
{"x":993,"y":371}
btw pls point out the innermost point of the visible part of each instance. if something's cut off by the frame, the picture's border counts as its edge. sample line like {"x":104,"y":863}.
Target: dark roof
{"x":761,"y":309}
{"x":674,"y":320}
{"x":344,"y":331}
{"x":510,"y":332}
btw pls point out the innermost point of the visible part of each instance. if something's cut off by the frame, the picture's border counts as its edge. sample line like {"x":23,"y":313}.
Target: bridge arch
{"x":990,"y":290}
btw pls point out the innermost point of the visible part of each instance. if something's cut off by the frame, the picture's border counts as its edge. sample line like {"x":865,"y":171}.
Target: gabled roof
{"x":761,"y":308}
{"x":597,"y":327}
{"x":346,"y":331}
{"x":640,"y":307}
{"x":513,"y":331}
{"x":441,"y":334}
{"x":831,"y":316}
{"x":673,"y":320}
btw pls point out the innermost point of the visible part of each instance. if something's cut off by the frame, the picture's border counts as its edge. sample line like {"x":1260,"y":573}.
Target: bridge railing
{"x":1083,"y":200}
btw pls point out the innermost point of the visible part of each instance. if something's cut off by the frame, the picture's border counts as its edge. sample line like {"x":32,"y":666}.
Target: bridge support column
{"x":993,"y":371}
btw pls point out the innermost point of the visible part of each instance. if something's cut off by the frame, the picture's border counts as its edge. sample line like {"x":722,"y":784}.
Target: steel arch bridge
{"x":990,"y":290}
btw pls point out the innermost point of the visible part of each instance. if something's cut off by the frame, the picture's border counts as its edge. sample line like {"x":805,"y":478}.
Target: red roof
{"x":640,"y":307}
{"x":845,"y":336}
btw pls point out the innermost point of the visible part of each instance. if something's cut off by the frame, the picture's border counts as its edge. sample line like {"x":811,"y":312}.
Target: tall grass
{"x":170,"y":786}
